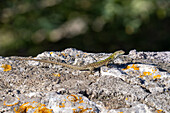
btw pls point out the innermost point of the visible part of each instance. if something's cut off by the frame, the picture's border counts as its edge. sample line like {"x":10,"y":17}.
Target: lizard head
{"x":116,"y":54}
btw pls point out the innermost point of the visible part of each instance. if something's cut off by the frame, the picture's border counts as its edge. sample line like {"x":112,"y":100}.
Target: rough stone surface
{"x":135,"y":83}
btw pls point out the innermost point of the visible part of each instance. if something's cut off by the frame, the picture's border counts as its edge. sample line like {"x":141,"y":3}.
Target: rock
{"x":137,"y":82}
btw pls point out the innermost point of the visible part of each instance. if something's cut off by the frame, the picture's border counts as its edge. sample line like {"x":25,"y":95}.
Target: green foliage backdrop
{"x":33,"y":26}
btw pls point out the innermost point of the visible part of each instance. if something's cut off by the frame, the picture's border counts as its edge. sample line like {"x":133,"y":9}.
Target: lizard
{"x":90,"y":66}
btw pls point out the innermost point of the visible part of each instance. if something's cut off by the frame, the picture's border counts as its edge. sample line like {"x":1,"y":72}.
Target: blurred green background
{"x":29,"y":27}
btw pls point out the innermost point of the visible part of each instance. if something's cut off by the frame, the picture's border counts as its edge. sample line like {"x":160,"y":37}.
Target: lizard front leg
{"x":106,"y":64}
{"x":91,"y":70}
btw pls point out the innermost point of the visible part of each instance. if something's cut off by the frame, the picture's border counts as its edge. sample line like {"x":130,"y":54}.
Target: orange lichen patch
{"x":81,"y":100}
{"x":128,"y":67}
{"x":51,"y":52}
{"x":156,"y":76}
{"x":135,"y":67}
{"x":23,"y":108}
{"x":74,"y":109}
{"x":63,"y":54}
{"x":147,"y":73}
{"x":62,"y":105}
{"x":43,"y":110}
{"x":154,"y":70}
{"x":159,"y":111}
{"x":39,"y":108}
{"x":72,"y":98}
{"x":120,"y":112}
{"x":56,"y":74}
{"x":6,"y":67}
{"x":80,"y":107}
{"x":82,"y":110}
{"x":141,"y":76}
{"x":12,"y":104}
{"x":20,"y":110}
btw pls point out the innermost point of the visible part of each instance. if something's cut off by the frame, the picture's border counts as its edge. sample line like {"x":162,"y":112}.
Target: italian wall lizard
{"x":90,"y":66}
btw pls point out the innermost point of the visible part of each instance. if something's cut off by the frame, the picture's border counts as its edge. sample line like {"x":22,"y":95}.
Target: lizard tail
{"x":58,"y":63}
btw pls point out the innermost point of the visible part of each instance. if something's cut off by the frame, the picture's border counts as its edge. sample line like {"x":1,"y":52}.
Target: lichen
{"x":6,"y":67}
{"x":11,"y":104}
{"x":38,"y":107}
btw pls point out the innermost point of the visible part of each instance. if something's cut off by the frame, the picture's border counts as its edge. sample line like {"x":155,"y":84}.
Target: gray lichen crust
{"x":137,"y":82}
